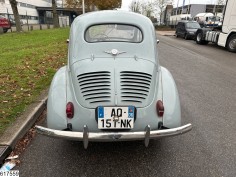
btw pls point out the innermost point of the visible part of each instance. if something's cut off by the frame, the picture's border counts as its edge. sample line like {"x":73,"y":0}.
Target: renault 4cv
{"x":113,"y":87}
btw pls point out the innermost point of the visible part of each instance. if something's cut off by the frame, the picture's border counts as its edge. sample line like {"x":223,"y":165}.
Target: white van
{"x":208,"y":19}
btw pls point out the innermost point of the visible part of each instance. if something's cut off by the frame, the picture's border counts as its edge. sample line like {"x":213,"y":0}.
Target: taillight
{"x":160,"y":108}
{"x":70,"y":110}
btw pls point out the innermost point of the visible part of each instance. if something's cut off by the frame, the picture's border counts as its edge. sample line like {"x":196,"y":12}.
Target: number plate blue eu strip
{"x":100,"y":112}
{"x":130,"y":112}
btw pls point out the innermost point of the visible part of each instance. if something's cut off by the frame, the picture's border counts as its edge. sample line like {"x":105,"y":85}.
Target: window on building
{"x":23,"y":4}
{"x":49,"y":14}
{"x":30,"y":6}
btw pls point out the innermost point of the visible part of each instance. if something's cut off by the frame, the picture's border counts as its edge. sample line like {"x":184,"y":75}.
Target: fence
{"x":63,"y":22}
{"x":36,"y":27}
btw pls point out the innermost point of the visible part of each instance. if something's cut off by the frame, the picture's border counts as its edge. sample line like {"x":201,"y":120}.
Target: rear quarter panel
{"x":172,"y":114}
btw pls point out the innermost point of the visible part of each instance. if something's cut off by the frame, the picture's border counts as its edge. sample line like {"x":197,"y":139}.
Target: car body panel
{"x":117,"y":71}
{"x":61,"y":92}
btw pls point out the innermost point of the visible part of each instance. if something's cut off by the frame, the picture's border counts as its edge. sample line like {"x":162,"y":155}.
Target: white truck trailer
{"x":174,"y":19}
{"x":226,"y":37}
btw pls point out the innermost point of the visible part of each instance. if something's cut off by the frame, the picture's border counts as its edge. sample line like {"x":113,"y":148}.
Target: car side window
{"x":179,"y":25}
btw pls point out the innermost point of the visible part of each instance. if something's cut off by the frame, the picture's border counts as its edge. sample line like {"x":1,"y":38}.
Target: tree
{"x":107,"y":4}
{"x":161,"y":5}
{"x":16,"y":15}
{"x":55,"y":15}
{"x":77,"y":4}
{"x":101,"y":5}
{"x":148,"y":8}
{"x":135,"y":6}
{"x":145,"y":8}
{"x":221,"y":2}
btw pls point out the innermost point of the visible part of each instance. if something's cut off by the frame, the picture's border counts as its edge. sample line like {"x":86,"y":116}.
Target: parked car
{"x":4,"y":24}
{"x":186,"y":29}
{"x":113,"y":87}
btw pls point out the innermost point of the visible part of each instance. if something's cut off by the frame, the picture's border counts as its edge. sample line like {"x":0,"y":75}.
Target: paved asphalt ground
{"x":206,"y":80}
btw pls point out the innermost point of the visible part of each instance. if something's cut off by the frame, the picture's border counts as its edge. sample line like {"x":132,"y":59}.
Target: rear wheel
{"x":176,"y":35}
{"x":231,"y":43}
{"x":186,"y":37}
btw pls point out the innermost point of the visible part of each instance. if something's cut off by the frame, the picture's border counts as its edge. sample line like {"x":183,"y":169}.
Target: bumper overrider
{"x":87,"y":136}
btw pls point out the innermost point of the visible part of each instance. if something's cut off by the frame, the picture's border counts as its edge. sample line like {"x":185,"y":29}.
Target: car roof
{"x":79,"y":47}
{"x":113,"y":16}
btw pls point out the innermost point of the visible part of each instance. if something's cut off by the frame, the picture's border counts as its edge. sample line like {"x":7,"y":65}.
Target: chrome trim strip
{"x":87,"y":136}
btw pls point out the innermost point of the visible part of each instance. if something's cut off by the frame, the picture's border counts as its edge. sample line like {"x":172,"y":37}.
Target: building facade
{"x":194,"y":9}
{"x":165,"y":16}
{"x":26,"y":8}
{"x":188,"y":12}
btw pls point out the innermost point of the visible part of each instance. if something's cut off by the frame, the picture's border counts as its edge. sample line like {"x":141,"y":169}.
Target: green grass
{"x":28,"y":62}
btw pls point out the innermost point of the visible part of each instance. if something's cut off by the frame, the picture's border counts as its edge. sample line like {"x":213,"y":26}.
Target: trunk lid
{"x":114,"y":82}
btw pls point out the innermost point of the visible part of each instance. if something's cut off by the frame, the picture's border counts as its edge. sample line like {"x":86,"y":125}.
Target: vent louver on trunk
{"x":95,"y":86}
{"x":135,"y":86}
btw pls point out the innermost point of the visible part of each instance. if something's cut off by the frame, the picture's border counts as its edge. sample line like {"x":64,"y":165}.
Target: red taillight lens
{"x":70,"y":110}
{"x":160,"y":108}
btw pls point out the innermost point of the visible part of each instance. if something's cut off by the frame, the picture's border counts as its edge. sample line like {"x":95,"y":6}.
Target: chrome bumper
{"x":87,"y":136}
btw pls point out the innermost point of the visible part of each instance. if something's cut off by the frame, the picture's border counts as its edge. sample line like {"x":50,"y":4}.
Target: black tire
{"x":5,"y":30}
{"x":199,"y":39}
{"x":176,"y":35}
{"x":231,"y":43}
{"x":186,"y":37}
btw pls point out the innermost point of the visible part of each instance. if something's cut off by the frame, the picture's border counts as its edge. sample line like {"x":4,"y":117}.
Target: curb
{"x":166,"y":33}
{"x":21,"y":126}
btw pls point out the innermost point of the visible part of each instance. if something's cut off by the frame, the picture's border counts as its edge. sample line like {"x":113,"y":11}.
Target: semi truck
{"x":226,"y":35}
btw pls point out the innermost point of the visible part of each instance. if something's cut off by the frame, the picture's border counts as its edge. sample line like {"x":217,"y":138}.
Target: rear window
{"x":113,"y":33}
{"x":192,"y":25}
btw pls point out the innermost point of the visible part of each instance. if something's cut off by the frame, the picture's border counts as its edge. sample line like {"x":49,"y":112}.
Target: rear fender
{"x":172,"y":113}
{"x":56,"y":104}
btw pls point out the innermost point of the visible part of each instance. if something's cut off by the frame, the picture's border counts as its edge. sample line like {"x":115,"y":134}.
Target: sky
{"x":125,"y":3}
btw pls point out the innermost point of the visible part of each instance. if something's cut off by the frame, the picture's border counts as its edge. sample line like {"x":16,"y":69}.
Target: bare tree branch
{"x":135,"y":6}
{"x":161,"y":5}
{"x":148,"y":8}
{"x":221,"y":2}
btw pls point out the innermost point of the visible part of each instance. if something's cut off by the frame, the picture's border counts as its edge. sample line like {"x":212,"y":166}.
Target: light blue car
{"x":113,"y":88}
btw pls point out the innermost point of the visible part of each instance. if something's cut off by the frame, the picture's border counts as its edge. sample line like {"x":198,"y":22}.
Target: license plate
{"x":116,"y":117}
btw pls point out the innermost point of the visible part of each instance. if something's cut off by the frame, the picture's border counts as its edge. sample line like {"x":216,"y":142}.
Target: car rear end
{"x":4,"y":24}
{"x":111,"y":89}
{"x":191,"y":28}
